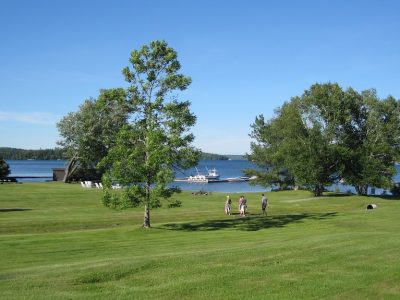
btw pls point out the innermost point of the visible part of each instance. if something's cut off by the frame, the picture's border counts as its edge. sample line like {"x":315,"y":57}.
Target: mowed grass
{"x":59,"y":242}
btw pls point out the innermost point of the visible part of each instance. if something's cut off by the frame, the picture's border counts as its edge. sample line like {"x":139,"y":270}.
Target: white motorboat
{"x":212,"y":174}
{"x":198,"y":178}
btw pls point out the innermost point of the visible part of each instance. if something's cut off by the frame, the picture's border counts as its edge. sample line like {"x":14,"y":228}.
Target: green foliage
{"x":115,"y":202}
{"x":4,"y":168}
{"x":130,"y":197}
{"x":118,"y":200}
{"x":89,"y":133}
{"x":327,"y":134}
{"x":106,"y":198}
{"x":212,"y":156}
{"x":156,"y":141}
{"x":175,"y":203}
{"x":371,"y":143}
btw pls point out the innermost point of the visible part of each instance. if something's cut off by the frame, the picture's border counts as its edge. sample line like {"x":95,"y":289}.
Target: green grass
{"x":59,"y":242}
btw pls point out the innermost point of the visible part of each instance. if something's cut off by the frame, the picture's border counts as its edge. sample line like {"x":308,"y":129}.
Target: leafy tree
{"x":90,"y":132}
{"x":4,"y":168}
{"x":156,"y":141}
{"x":371,"y":141}
{"x":328,"y":133}
{"x":295,"y":143}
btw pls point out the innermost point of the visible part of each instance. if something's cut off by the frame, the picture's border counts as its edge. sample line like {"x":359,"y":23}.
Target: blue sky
{"x":245,"y":58}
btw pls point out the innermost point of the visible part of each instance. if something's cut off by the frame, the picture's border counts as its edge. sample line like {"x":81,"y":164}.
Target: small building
{"x":58,"y":174}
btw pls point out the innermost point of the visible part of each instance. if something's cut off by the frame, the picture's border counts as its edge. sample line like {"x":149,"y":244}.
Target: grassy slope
{"x":57,"y":241}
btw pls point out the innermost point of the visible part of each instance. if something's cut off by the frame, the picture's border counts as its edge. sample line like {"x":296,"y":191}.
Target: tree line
{"x":22,"y":154}
{"x":9,"y":153}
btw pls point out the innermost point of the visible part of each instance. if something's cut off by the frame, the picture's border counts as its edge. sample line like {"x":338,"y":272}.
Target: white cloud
{"x":31,"y":118}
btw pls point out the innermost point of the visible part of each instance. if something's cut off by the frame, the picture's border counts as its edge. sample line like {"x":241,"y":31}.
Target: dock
{"x":235,"y":179}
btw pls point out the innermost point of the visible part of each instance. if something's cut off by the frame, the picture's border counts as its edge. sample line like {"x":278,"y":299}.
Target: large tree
{"x":157,"y":139}
{"x":90,"y":132}
{"x":370,"y":139}
{"x":327,"y":134}
{"x":294,"y":146}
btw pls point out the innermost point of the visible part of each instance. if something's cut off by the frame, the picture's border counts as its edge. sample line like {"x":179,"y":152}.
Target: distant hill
{"x":213,"y":156}
{"x":57,"y":153}
{"x":236,"y":157}
{"x":21,"y":154}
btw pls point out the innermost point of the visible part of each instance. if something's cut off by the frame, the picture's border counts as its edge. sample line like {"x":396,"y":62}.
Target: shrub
{"x":106,"y":199}
{"x":175,"y":203}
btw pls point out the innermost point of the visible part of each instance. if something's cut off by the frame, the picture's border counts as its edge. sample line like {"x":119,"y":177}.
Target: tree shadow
{"x":248,"y":223}
{"x":337,"y":195}
{"x":382,"y":196}
{"x":13,"y":209}
{"x":385,"y":197}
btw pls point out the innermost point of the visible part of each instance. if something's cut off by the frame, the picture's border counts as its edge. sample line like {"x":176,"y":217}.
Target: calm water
{"x":34,"y":168}
{"x":371,"y":190}
{"x":226,"y":168}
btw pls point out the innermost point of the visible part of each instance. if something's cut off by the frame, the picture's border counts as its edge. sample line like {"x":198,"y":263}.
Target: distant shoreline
{"x":9,"y":153}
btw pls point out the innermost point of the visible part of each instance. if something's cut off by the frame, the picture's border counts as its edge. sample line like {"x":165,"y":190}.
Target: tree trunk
{"x":146,"y":222}
{"x":362,"y":189}
{"x":318,"y":190}
{"x":72,"y":166}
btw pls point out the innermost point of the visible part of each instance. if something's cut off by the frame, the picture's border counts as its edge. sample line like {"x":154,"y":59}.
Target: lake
{"x":34,"y":168}
{"x":226,"y":168}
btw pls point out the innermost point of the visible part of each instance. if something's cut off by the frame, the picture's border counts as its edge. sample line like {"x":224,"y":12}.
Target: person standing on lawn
{"x":264,"y":204}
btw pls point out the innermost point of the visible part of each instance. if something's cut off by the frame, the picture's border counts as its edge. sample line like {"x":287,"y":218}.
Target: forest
{"x":57,"y":153}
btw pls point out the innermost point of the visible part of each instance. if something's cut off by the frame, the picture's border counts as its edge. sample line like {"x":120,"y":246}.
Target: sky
{"x":245,"y":58}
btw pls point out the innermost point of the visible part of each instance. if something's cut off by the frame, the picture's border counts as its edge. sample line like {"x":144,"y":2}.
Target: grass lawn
{"x":59,"y":242}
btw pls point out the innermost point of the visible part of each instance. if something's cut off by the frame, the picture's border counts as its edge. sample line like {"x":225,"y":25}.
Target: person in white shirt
{"x":264,"y":204}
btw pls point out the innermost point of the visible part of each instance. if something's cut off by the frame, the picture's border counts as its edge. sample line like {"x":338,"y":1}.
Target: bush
{"x":175,"y":203}
{"x":106,"y":199}
{"x":114,"y":201}
{"x":129,"y":199}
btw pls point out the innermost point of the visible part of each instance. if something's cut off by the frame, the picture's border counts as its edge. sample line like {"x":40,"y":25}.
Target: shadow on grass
{"x":384,"y":197}
{"x":248,"y":223}
{"x":337,"y":195}
{"x":13,"y":209}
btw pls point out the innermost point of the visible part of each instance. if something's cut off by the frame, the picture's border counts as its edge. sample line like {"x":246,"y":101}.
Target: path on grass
{"x":303,"y":199}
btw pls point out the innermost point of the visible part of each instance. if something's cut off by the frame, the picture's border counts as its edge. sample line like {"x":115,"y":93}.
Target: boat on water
{"x":212,"y":175}
{"x":198,"y":178}
{"x":241,"y":178}
{"x":234,"y":179}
